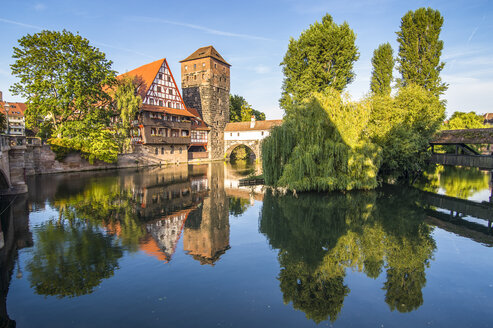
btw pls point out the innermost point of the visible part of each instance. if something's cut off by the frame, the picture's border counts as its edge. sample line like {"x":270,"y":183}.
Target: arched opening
{"x":4,"y":182}
{"x":241,"y":153}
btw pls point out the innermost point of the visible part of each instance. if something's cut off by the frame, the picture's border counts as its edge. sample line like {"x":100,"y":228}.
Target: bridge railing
{"x":484,"y":162}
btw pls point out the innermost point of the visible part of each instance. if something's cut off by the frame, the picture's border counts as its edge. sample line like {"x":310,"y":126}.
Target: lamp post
{"x":7,"y":108}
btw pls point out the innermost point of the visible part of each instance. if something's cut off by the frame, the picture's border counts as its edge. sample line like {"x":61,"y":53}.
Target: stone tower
{"x":205,"y":83}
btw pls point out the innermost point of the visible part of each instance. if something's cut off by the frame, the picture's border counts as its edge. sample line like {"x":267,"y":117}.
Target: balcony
{"x":156,"y":139}
{"x":146,"y":121}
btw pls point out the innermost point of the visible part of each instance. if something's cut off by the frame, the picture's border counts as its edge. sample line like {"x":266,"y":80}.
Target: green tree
{"x":403,"y":126}
{"x":3,"y":122}
{"x":322,"y":56}
{"x":420,"y":49}
{"x":321,"y":146}
{"x":383,"y":64}
{"x":461,"y":120}
{"x":127,"y":102}
{"x":241,"y":111}
{"x":64,"y":80}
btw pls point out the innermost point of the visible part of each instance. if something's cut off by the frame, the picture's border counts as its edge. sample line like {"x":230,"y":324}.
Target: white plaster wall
{"x":246,"y":135}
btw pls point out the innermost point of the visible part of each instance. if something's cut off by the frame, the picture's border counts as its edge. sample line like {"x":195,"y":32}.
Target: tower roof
{"x":205,"y":52}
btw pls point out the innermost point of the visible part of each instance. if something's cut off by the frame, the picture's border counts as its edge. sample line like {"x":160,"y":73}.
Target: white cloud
{"x":262,"y":69}
{"x":198,"y":27}
{"x":8,"y":21}
{"x":39,"y":6}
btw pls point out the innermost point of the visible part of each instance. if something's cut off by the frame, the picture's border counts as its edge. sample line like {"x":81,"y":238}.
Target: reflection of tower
{"x":206,"y":235}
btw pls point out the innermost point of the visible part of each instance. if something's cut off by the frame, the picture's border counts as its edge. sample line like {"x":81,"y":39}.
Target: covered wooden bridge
{"x":464,"y":154}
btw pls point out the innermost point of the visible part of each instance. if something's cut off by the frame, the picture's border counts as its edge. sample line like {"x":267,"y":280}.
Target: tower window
{"x":156,"y":151}
{"x":162,"y":151}
{"x":203,"y":64}
{"x":215,"y":65}
{"x":194,"y":66}
{"x":186,"y":67}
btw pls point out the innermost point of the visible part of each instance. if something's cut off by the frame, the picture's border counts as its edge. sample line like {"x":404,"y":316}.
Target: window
{"x":215,"y":65}
{"x":195,"y":77}
{"x":160,"y":76}
{"x":172,"y":151}
{"x":151,"y":101}
{"x":169,"y":104}
{"x":194,"y":66}
{"x":231,"y":134}
{"x":162,"y":150}
{"x":203,"y":64}
{"x":160,"y":102}
{"x":169,"y":78}
{"x":262,"y":132}
{"x":203,"y":76}
{"x":158,"y":89}
{"x":156,"y":151}
{"x":180,"y":150}
{"x":186,"y":67}
{"x":238,"y":134}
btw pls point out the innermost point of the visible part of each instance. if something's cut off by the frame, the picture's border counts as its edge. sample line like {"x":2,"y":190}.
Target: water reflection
{"x":100,"y":217}
{"x":320,"y":237}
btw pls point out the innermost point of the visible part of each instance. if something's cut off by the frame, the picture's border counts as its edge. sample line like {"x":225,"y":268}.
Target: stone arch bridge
{"x":12,"y":165}
{"x":248,"y":134}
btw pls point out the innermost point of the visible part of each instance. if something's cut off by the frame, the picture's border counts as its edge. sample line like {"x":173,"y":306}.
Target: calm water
{"x":186,"y":247}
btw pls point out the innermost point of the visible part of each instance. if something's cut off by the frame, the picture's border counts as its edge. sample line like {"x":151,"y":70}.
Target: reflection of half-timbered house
{"x":164,"y":125}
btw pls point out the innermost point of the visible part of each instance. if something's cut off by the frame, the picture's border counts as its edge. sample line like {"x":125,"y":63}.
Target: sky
{"x":253,"y":37}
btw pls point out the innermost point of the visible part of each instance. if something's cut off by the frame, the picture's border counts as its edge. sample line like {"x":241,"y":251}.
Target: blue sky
{"x":253,"y":37}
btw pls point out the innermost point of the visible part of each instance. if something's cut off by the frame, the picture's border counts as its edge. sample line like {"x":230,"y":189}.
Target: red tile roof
{"x":17,"y":109}
{"x":245,"y":126}
{"x":147,"y":73}
{"x":205,"y":52}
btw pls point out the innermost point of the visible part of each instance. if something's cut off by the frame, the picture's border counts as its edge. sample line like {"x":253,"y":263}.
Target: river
{"x":185,"y":246}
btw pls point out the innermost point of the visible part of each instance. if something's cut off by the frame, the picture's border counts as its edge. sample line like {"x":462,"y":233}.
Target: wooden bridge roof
{"x":465,"y":136}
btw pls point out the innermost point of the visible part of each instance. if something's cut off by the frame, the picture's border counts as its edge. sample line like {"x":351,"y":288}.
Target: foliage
{"x":64,"y":79}
{"x":383,"y":64}
{"x":241,"y":111}
{"x":321,"y":146}
{"x":241,"y":153}
{"x":420,"y":50}
{"x":238,"y":206}
{"x":461,"y":120}
{"x":71,"y":258}
{"x":127,"y":102}
{"x":3,"y":122}
{"x":322,"y":56}
{"x":321,"y":236}
{"x":402,"y":126}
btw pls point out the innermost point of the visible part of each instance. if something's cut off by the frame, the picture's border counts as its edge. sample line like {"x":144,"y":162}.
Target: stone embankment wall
{"x":42,"y":160}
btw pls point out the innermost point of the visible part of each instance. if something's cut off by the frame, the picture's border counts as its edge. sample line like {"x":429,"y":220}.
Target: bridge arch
{"x":254,"y":147}
{"x":4,"y":180}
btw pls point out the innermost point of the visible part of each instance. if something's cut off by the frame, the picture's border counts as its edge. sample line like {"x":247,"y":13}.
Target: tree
{"x":383,"y":64}
{"x":322,"y":56}
{"x":420,"y":50}
{"x":241,"y":111}
{"x":460,"y":120}
{"x":3,"y":122}
{"x":321,"y":146}
{"x":127,"y":102}
{"x":403,"y":126}
{"x":64,"y":80}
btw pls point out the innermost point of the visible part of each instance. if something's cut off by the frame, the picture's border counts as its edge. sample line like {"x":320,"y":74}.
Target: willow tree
{"x":420,"y":49}
{"x":321,"y":146}
{"x":322,"y":56}
{"x":383,"y":64}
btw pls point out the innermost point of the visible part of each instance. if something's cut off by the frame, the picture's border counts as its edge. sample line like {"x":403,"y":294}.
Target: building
{"x":163,"y":127}
{"x":14,"y":112}
{"x":488,"y":119}
{"x":206,"y":84}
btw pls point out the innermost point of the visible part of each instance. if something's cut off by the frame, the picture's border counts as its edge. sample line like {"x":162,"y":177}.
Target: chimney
{"x":252,"y":122}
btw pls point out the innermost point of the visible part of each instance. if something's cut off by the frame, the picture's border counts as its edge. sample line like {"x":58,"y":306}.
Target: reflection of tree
{"x":460,"y":182}
{"x":107,"y":204}
{"x":71,"y":258}
{"x":463,"y":182}
{"x":238,"y":206}
{"x":319,"y":237}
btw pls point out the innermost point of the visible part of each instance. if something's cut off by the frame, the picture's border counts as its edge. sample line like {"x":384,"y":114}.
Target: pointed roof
{"x":206,"y":52}
{"x":147,"y":72}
